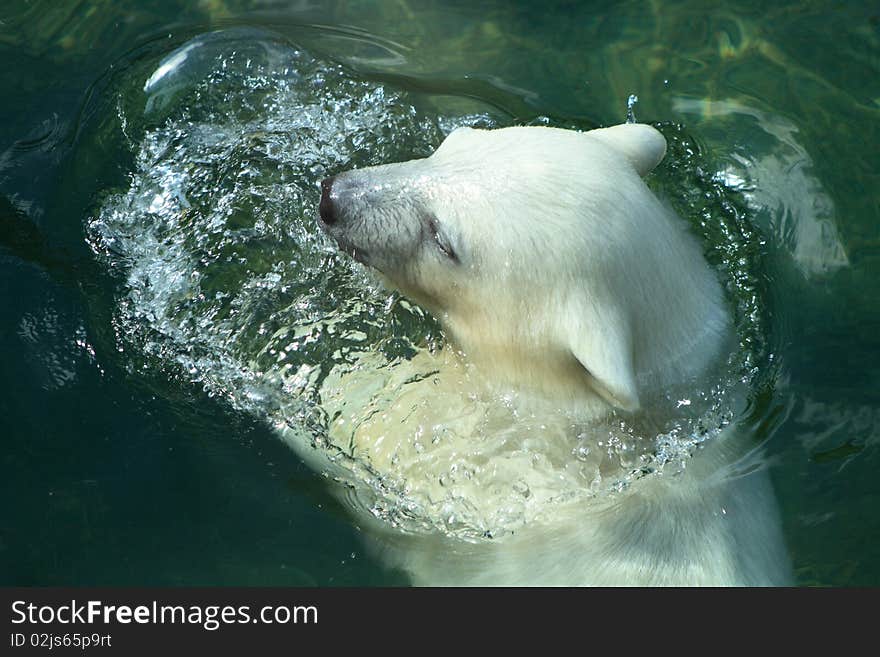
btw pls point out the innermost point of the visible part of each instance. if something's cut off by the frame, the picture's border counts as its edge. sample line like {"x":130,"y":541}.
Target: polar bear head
{"x":549,"y":262}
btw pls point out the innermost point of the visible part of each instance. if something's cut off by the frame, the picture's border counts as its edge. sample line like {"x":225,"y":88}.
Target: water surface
{"x":139,"y":451}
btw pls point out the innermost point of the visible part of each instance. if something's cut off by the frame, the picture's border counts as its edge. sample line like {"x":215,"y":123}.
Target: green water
{"x":136,"y":452}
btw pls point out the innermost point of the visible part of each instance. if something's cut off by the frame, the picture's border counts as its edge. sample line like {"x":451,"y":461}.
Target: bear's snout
{"x":327,"y":208}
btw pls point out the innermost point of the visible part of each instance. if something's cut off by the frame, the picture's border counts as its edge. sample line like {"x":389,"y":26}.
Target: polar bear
{"x":570,"y":296}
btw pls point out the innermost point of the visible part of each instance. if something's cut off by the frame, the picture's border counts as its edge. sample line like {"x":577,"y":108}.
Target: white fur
{"x":564,"y":284}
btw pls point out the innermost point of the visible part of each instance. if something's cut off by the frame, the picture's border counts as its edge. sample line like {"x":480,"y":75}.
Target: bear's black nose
{"x":327,"y":209}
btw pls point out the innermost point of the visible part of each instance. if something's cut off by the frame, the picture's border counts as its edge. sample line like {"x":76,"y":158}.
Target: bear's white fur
{"x":568,"y":292}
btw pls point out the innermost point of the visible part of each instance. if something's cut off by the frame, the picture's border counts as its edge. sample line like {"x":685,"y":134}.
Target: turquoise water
{"x":139,"y":451}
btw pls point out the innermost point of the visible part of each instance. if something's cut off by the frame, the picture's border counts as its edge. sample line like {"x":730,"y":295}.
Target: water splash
{"x":226,"y":277}
{"x":630,"y":108}
{"x":228,"y":286}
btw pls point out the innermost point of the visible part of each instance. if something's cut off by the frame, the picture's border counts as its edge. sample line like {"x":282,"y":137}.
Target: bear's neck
{"x":674,"y":347}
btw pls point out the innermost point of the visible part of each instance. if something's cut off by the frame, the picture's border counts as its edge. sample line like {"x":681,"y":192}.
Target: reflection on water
{"x":194,"y":182}
{"x":776,"y":176}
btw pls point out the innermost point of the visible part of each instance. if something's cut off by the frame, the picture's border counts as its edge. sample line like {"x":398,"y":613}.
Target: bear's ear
{"x":460,"y":133}
{"x":642,"y":145}
{"x":455,"y":141}
{"x":603,"y":347}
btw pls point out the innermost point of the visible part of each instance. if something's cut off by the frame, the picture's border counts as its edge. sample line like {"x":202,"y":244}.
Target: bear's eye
{"x":440,"y":240}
